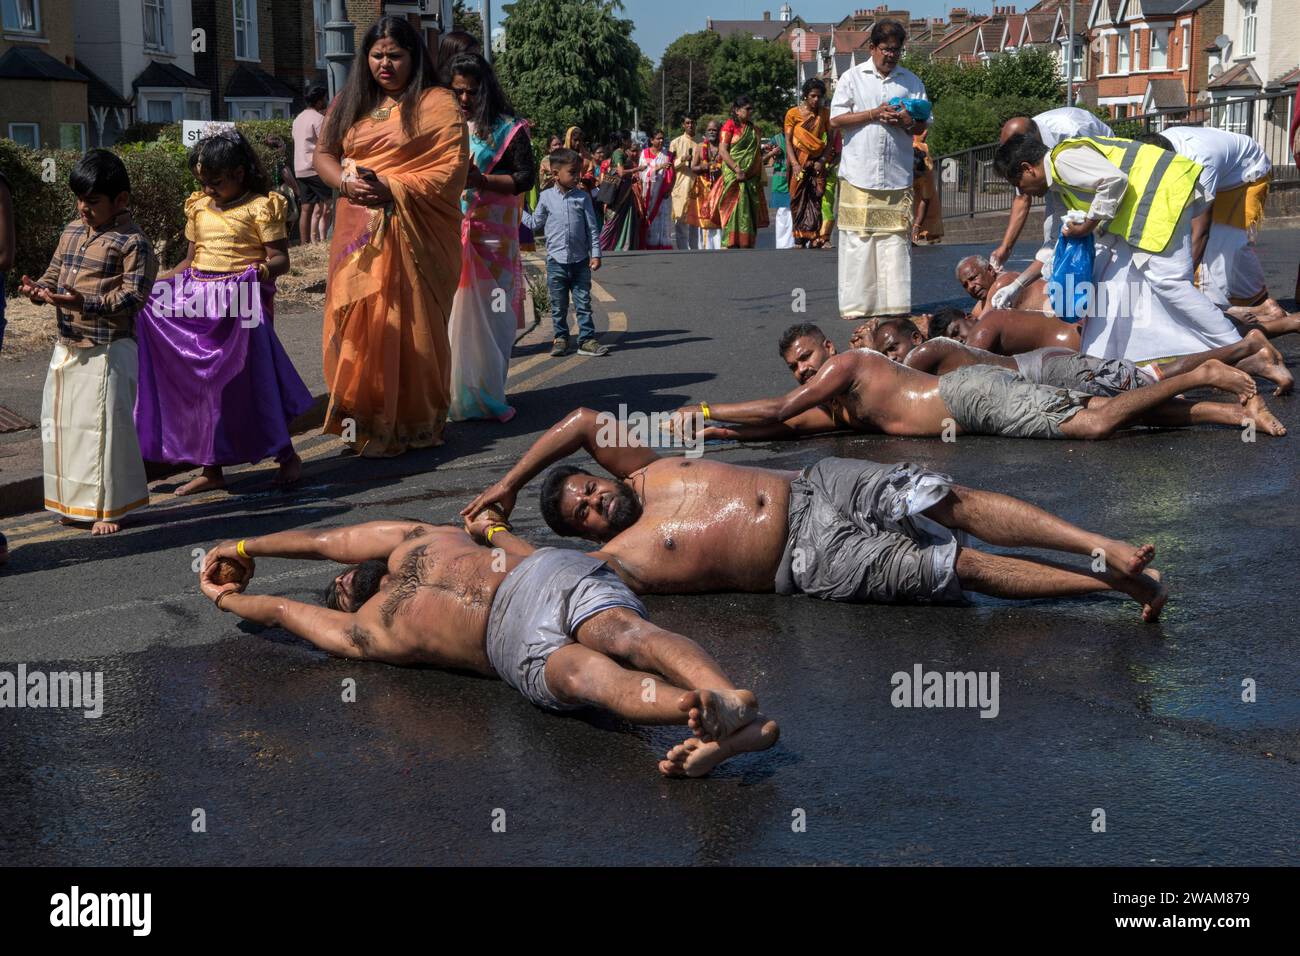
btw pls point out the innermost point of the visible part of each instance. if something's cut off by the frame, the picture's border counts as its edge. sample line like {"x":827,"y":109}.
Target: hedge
{"x":160,"y":183}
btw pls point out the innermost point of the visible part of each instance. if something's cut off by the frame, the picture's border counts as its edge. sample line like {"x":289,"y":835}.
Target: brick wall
{"x":295,"y":45}
{"x":216,"y":65}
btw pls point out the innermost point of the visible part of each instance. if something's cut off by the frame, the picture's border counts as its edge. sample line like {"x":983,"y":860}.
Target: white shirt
{"x":1068,"y":122}
{"x":1085,"y":172}
{"x":1228,"y":159}
{"x":876,"y":156}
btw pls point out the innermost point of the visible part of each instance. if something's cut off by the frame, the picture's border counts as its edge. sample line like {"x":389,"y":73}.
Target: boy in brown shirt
{"x":101,"y":275}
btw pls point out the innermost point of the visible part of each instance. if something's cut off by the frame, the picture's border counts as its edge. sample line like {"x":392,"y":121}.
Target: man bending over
{"x":554,"y":624}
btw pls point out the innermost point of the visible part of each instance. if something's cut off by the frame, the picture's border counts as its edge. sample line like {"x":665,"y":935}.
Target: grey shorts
{"x":1064,"y":368}
{"x":992,"y":400}
{"x":857,"y":534}
{"x":537,"y":609}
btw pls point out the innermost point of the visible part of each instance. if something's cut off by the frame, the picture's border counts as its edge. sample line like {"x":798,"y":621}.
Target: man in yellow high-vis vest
{"x":1138,"y":200}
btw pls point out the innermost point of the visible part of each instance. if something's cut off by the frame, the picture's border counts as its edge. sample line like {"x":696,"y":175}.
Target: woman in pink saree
{"x":489,"y":307}
{"x":393,"y":143}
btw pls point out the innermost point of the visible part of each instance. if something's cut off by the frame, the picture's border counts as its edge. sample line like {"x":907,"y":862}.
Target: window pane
{"x":1159,"y":55}
{"x":159,"y":111}
{"x":25,"y":134}
{"x":19,"y":14}
{"x":193,"y":109}
{"x":70,"y":136}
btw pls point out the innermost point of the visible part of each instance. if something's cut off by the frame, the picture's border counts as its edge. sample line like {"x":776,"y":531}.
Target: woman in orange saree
{"x":806,"y":128}
{"x":395,"y":145}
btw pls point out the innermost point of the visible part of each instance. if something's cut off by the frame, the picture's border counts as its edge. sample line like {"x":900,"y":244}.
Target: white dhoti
{"x":784,"y":223}
{"x":710,"y":239}
{"x":1231,"y":273}
{"x":685,"y":236}
{"x":875,"y":275}
{"x":875,"y":251}
{"x":93,"y":468}
{"x":1148,"y":307}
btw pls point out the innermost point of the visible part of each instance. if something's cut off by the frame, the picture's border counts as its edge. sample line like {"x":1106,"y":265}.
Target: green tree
{"x":470,"y":21}
{"x":972,"y":100}
{"x":761,"y":70}
{"x":684,"y":74}
{"x":571,"y":64}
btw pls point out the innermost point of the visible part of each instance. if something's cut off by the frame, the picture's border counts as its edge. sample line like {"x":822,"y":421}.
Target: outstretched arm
{"x":834,"y":378}
{"x":348,"y":545}
{"x":815,"y":421}
{"x":581,"y":428}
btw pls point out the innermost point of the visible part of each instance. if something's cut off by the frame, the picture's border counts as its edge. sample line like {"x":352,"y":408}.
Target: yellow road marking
{"x":617,"y":325}
{"x":600,"y":292}
{"x":521,"y":367}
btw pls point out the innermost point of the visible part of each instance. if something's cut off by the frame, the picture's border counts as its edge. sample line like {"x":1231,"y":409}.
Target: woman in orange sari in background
{"x":395,"y":145}
{"x":806,"y":132}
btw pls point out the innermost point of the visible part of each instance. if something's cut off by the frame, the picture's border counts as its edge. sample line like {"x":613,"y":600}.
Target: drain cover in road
{"x":11,"y":421}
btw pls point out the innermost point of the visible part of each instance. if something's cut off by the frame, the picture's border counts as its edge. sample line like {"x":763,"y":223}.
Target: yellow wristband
{"x":704,"y":410}
{"x":494,"y":529}
{"x":239,"y":548}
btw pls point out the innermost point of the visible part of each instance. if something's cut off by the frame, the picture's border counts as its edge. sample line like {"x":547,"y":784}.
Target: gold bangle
{"x":493,"y":530}
{"x":704,"y":410}
{"x":221,"y":597}
{"x":239,"y":548}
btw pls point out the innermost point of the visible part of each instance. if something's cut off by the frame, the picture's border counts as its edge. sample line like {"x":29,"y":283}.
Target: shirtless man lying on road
{"x":864,"y":391}
{"x":984,"y":284}
{"x":841,"y":530}
{"x":554,"y":624}
{"x":901,"y":340}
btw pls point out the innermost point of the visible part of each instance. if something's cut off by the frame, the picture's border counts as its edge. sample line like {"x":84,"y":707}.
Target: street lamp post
{"x":338,"y":46}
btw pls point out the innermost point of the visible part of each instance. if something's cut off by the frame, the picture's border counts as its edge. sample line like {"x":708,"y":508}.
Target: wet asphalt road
{"x":1096,"y":710}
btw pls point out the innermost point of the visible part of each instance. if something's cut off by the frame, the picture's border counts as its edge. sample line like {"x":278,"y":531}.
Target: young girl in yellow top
{"x":216,"y":387}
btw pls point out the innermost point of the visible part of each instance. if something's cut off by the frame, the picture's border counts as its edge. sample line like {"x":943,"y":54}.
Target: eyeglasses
{"x":890,"y":50}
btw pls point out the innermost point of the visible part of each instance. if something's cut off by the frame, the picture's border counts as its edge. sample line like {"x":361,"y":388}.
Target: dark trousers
{"x":562,"y":280}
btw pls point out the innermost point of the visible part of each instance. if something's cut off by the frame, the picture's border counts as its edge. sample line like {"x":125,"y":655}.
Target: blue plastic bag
{"x":1070,"y":289}
{"x":920,"y":109}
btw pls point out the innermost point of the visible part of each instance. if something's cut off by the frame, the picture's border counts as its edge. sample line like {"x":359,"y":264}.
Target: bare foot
{"x":1218,"y":375}
{"x":289,"y":473}
{"x":105,"y":527}
{"x":1264,"y":420}
{"x":715,"y":714}
{"x":207,"y":481}
{"x":1267,"y":363}
{"x":1156,"y":602}
{"x":1126,"y":558}
{"x":1145,"y":588}
{"x":695,"y":758}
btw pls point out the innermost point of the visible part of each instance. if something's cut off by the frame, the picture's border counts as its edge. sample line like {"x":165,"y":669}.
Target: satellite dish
{"x":1222,"y":41}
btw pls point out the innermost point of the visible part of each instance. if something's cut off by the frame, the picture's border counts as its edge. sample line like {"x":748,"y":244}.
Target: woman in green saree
{"x":741,"y":208}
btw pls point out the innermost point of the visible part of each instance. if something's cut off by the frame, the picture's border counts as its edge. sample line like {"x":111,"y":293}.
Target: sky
{"x":660,"y":22}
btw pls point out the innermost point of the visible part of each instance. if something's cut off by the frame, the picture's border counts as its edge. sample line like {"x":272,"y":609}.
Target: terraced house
{"x":42,"y":96}
{"x":1150,"y":54}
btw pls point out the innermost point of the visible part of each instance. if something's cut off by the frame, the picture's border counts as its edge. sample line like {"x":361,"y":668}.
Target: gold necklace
{"x":382,"y":113}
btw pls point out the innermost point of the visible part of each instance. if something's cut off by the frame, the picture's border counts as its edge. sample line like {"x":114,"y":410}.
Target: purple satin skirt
{"x":216,"y":386}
